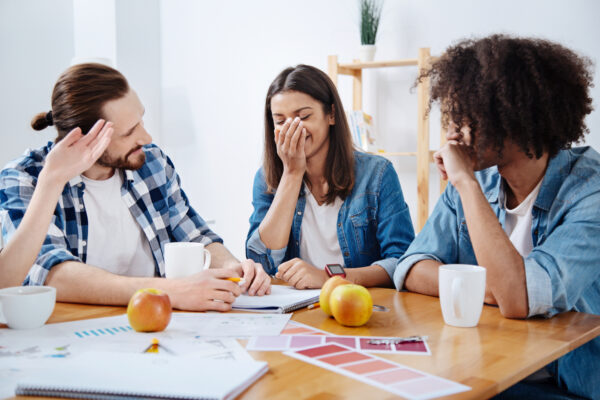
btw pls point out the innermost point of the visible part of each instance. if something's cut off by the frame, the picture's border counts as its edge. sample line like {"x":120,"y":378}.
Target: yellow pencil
{"x":240,"y":281}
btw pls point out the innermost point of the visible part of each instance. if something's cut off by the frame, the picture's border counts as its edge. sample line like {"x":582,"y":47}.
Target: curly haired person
{"x":521,"y":202}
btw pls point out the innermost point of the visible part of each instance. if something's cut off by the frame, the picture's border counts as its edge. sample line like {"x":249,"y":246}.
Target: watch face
{"x":335,"y":269}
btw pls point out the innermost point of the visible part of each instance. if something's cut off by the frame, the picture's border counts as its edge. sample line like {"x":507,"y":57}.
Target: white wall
{"x":36,"y":45}
{"x":202,"y":70}
{"x":218,"y":59}
{"x":39,"y":39}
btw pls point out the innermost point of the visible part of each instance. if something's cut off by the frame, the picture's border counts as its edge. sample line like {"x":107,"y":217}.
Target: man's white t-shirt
{"x":517,"y":222}
{"x":116,"y":242}
{"x":319,"y":244}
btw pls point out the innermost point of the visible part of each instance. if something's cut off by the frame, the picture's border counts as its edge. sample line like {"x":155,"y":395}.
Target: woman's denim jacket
{"x":374,"y":225}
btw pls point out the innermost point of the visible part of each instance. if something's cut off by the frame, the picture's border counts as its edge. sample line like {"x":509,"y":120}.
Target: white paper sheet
{"x":207,"y":336}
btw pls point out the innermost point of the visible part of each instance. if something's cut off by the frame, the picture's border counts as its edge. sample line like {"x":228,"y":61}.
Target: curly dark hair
{"x":533,"y":92}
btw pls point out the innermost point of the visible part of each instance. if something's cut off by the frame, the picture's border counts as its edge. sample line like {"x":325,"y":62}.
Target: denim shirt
{"x":374,"y":225}
{"x":562,"y":271}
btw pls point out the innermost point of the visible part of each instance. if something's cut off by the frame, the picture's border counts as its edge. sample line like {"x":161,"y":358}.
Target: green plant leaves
{"x":370,"y":13}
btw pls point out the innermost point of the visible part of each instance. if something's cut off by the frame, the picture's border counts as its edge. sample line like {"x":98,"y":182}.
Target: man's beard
{"x":106,"y":160}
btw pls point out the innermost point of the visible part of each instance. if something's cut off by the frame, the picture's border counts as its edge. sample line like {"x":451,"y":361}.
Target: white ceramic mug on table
{"x":461,"y":291}
{"x":27,"y":307}
{"x":185,"y":258}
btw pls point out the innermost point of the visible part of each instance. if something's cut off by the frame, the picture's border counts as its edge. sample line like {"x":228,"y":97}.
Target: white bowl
{"x":27,"y":307}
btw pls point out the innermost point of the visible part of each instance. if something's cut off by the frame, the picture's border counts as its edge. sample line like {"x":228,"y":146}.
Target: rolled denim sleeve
{"x":539,"y":288}
{"x":406,"y":264}
{"x":565,"y":266}
{"x":394,"y":226}
{"x":255,"y":248}
{"x":438,"y":240}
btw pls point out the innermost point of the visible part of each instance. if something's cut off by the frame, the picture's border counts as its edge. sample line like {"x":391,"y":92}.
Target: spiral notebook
{"x":96,"y":375}
{"x":283,"y":299}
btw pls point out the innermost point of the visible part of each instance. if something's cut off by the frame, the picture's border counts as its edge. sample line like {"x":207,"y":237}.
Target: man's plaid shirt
{"x":152,"y":194}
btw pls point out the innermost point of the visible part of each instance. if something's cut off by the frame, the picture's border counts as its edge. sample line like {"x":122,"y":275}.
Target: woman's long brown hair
{"x":339,"y":164}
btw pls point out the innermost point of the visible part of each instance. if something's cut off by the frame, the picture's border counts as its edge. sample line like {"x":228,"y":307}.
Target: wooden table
{"x":489,"y":358}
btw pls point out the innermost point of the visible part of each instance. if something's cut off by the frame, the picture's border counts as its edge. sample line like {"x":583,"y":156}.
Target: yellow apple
{"x":326,"y":290}
{"x":149,"y":310}
{"x":351,"y":305}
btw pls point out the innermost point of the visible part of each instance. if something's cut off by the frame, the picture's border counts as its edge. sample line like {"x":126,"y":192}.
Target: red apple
{"x":326,"y":290}
{"x":351,"y":305}
{"x":149,"y":310}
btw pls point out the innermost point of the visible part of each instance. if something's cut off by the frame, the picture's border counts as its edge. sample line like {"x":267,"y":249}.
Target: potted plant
{"x":370,"y":14}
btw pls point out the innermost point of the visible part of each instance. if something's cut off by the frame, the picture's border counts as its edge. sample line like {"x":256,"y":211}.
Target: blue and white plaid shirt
{"x":152,"y":194}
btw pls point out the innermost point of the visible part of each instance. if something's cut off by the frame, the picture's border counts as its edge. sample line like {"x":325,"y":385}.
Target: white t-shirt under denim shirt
{"x":116,"y":242}
{"x":517,"y":222}
{"x":319,"y":244}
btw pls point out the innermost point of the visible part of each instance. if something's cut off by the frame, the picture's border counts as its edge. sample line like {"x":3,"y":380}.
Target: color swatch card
{"x":387,"y":375}
{"x":387,"y":345}
{"x":296,"y":335}
{"x":298,"y":328}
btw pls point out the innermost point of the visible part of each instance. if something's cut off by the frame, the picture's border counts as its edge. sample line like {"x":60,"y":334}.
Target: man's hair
{"x":532,"y":92}
{"x":78,"y":97}
{"x":339,"y":164}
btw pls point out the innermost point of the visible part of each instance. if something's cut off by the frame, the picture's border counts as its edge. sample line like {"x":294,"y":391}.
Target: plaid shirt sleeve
{"x":17,"y":183}
{"x":186,"y":225}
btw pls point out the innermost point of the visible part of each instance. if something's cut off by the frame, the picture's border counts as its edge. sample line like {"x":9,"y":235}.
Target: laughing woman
{"x":318,"y":201}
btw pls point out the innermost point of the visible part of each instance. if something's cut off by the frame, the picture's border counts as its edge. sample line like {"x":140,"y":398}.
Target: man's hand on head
{"x":455,"y":161}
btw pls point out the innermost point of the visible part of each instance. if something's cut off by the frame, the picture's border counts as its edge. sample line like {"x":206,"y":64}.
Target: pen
{"x":398,"y":340}
{"x":155,"y":347}
{"x":240,"y":281}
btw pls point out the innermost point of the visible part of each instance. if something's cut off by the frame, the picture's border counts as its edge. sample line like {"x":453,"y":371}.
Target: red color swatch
{"x":323,"y":350}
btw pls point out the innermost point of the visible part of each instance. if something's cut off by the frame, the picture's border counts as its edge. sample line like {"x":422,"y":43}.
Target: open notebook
{"x":283,"y":299}
{"x":96,"y":375}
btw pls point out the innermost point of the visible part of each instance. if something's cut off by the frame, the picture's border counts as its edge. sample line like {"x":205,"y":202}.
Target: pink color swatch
{"x":395,"y":376}
{"x":322,"y":350}
{"x":296,"y":331}
{"x":304,"y":341}
{"x":411,"y":346}
{"x":369,"y":366}
{"x":345,"y":358}
{"x":387,"y":375}
{"x":346,"y":341}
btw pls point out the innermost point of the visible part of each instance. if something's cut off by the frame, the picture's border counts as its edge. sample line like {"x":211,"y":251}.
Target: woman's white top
{"x":319,"y":244}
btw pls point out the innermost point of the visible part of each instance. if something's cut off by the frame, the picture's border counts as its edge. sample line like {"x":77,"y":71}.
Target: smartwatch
{"x":335,"y":269}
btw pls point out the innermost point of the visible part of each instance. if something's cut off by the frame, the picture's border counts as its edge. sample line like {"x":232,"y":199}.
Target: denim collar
{"x":556,"y":172}
{"x":492,"y":192}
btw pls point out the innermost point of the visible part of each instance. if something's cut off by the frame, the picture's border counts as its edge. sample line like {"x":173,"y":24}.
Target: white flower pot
{"x":367,"y":52}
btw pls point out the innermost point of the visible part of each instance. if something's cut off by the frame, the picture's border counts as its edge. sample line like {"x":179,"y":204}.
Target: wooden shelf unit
{"x":424,"y":154}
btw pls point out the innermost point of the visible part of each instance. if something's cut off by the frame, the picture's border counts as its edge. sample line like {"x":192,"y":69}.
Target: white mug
{"x":185,"y":258}
{"x":462,"y":290}
{"x":27,"y":307}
